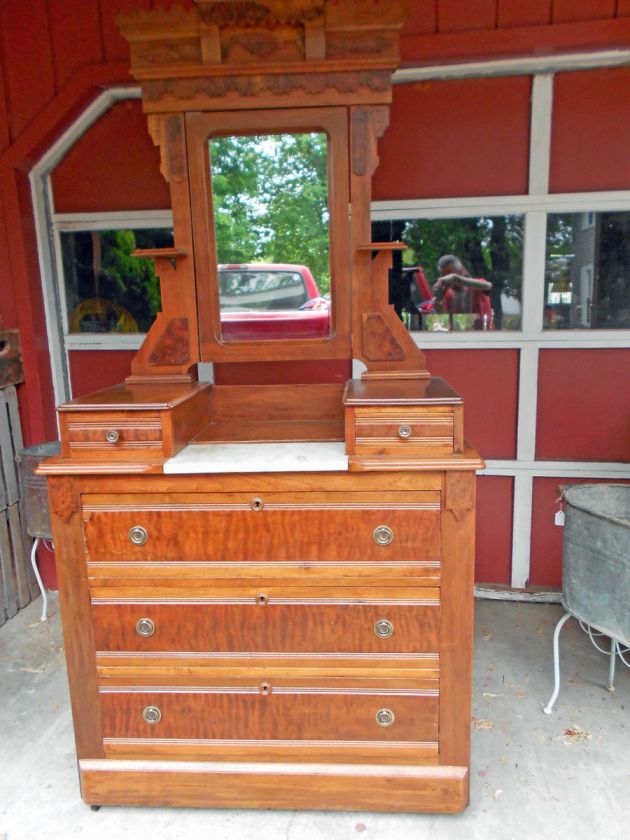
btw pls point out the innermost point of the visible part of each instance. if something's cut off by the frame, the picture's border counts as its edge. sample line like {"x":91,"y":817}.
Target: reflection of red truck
{"x":271,"y":302}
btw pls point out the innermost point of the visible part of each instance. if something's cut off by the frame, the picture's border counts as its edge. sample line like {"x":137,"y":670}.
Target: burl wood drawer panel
{"x":240,"y":527}
{"x":408,"y":430}
{"x":298,"y":712}
{"x":115,"y":435}
{"x":268,"y":622}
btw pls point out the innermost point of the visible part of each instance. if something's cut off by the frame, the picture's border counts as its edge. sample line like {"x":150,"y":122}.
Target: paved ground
{"x":534,"y":776}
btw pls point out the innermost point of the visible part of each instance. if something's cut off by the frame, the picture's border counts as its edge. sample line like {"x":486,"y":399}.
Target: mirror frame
{"x":200,"y":127}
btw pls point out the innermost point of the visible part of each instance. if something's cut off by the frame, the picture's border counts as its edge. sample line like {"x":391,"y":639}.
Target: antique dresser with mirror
{"x":266,"y":590}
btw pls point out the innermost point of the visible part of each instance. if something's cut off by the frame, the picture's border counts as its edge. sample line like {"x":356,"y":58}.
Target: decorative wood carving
{"x":378,"y":342}
{"x":459,"y":494}
{"x":173,"y":345}
{"x":62,"y":499}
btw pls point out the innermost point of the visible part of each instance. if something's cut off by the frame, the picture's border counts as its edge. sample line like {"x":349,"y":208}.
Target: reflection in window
{"x":106,"y":289}
{"x":258,"y":289}
{"x":587,"y":272}
{"x":488,"y":247}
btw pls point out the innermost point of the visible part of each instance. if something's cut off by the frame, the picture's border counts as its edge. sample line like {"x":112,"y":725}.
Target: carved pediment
{"x":218,"y":37}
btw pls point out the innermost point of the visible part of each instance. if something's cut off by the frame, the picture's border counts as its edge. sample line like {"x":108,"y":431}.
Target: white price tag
{"x":559,"y":518}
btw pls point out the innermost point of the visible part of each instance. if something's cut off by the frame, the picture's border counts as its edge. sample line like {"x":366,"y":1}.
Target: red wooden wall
{"x":57,"y":55}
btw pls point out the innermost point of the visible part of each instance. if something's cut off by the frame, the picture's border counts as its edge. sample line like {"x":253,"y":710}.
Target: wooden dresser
{"x":266,"y":591}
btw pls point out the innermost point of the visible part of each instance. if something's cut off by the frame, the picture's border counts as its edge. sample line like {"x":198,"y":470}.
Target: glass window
{"x":260,"y":289}
{"x":457,"y":274}
{"x":106,"y":289}
{"x":587,"y":271}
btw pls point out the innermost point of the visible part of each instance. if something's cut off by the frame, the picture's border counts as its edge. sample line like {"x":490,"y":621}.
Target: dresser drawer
{"x":297,"y":711}
{"x":286,"y":620}
{"x":281,"y":527}
{"x":113,"y":436}
{"x":408,"y":430}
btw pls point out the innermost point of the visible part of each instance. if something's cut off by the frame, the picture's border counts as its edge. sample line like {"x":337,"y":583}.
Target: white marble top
{"x":328,"y":456}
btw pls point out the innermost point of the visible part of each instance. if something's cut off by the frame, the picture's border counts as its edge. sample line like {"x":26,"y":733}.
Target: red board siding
{"x":456,"y":138}
{"x":462,"y":15}
{"x":27,"y":60}
{"x":547,"y":537}
{"x":76,"y":36}
{"x":488,"y":382}
{"x":583,"y":405}
{"x":114,"y":166}
{"x":5,"y":137}
{"x":422,"y":18}
{"x":524,"y":12}
{"x":46,"y":565}
{"x":493,"y":552}
{"x":91,"y":370}
{"x":591,"y":131}
{"x":623,"y":8}
{"x":572,"y":10}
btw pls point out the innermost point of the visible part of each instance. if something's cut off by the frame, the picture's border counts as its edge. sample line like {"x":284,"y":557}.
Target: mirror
{"x":270,"y":207}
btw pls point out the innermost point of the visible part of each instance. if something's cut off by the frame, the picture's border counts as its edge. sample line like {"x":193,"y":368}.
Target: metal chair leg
{"x":613,"y":662}
{"x":556,"y":663}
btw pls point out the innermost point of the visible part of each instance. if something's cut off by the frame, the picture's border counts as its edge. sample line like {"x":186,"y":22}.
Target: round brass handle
{"x":145,"y":627}
{"x":151,"y":714}
{"x":138,"y":535}
{"x":383,"y":535}
{"x":112,"y":436}
{"x":265,"y":688}
{"x":404,"y":431}
{"x":262,"y":600}
{"x":257,"y":504}
{"x":383,"y":629}
{"x":385,"y":717}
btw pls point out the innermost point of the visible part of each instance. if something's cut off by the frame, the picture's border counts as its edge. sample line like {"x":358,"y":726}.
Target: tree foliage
{"x":270,"y":200}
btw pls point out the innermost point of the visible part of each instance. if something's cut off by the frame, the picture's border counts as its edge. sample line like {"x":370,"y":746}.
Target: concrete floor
{"x":533,"y":776}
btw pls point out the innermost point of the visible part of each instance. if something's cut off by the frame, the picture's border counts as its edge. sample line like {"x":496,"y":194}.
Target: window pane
{"x":587,"y":273}
{"x":106,"y":289}
{"x":480,"y":287}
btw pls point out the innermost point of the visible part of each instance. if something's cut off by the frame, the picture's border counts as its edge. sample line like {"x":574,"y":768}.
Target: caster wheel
{"x":95,"y":807}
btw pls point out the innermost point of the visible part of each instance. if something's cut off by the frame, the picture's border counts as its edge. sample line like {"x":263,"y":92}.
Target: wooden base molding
{"x":323,"y":787}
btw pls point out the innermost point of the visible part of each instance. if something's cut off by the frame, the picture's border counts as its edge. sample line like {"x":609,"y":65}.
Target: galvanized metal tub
{"x":35,"y":488}
{"x":596,"y":558}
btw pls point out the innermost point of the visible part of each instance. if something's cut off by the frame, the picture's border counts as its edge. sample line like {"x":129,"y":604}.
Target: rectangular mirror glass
{"x":271,"y":227}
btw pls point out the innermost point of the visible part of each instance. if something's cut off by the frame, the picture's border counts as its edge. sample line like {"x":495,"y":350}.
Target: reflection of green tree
{"x":559,"y":252}
{"x":490,"y":247}
{"x":270,"y":200}
{"x":129,"y":281}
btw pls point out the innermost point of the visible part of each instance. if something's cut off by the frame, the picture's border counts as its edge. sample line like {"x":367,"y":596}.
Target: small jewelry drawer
{"x":404,"y":430}
{"x":115,"y":436}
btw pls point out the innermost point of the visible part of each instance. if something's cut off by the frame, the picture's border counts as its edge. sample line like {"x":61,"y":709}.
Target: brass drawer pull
{"x":138,"y":535}
{"x":383,"y":535}
{"x":151,"y":714}
{"x":265,"y":688}
{"x":112,"y":436}
{"x":383,"y":629}
{"x":404,"y":431}
{"x":262,"y":600}
{"x":385,"y":717}
{"x":146,"y":627}
{"x":257,"y":504}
